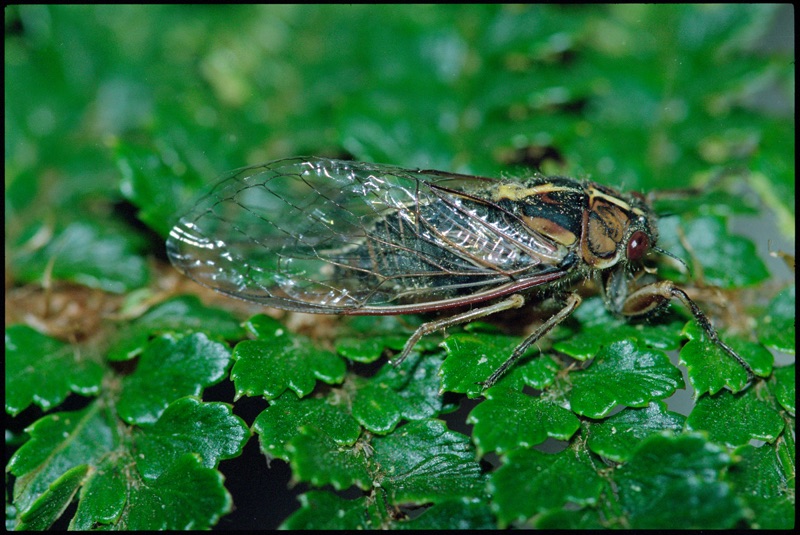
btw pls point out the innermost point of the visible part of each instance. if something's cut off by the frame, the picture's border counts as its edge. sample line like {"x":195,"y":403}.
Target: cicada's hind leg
{"x":515,"y":301}
{"x":572,"y":302}
{"x":650,"y":297}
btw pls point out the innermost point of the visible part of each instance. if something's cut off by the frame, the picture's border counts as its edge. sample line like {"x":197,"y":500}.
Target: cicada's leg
{"x":653,"y":296}
{"x":572,"y":302}
{"x":515,"y":301}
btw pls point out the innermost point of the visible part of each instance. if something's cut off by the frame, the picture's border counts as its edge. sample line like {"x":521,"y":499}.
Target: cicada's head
{"x":617,"y":228}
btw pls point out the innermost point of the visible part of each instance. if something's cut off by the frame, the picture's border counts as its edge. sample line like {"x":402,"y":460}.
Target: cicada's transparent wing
{"x":319,"y":235}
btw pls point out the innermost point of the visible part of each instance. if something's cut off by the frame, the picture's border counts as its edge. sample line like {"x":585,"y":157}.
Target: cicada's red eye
{"x":638,"y":245}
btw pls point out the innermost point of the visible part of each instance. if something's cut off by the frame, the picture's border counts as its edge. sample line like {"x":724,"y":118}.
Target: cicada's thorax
{"x":600,"y":225}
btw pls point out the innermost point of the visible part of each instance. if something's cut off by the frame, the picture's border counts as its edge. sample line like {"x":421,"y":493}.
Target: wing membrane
{"x":319,"y":235}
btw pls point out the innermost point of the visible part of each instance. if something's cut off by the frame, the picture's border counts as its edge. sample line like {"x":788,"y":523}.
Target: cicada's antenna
{"x":667,"y":253}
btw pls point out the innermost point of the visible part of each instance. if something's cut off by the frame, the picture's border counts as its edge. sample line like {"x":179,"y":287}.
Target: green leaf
{"x":366,"y":338}
{"x":561,"y":519}
{"x":425,"y":462}
{"x":325,"y":510}
{"x":43,"y":370}
{"x":164,"y":503}
{"x":367,"y":349}
{"x":766,"y":485}
{"x":711,"y":368}
{"x":509,"y":419}
{"x":776,"y":328}
{"x":60,"y":442}
{"x":785,"y":388}
{"x":210,"y":430}
{"x":320,"y":510}
{"x":287,"y":417}
{"x":456,"y":514}
{"x":93,"y":254}
{"x":181,"y":313}
{"x":623,"y":374}
{"x":677,"y":473}
{"x":598,"y":328}
{"x":154,"y":178}
{"x":316,"y":458}
{"x":171,"y":367}
{"x":103,"y":497}
{"x":278,"y":360}
{"x":616,"y":437}
{"x":187,"y":312}
{"x":87,"y":447}
{"x":420,"y":462}
{"x":523,"y":486}
{"x":46,"y":510}
{"x":472,"y":357}
{"x":735,"y":419}
{"x":409,"y":391}
{"x":724,"y":260}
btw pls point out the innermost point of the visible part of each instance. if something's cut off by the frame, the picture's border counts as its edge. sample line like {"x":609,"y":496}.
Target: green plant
{"x":110,"y":364}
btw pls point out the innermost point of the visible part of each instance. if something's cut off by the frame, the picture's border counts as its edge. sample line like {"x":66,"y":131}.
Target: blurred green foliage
{"x":115,"y":117}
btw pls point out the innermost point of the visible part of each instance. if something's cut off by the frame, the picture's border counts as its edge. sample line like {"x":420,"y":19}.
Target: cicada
{"x":341,"y":237}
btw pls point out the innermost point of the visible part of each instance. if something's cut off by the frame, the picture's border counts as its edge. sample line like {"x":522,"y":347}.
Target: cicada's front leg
{"x":653,"y":296}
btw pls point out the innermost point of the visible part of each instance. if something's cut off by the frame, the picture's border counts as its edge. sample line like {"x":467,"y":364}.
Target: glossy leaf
{"x":60,"y":442}
{"x":48,"y":507}
{"x":187,"y":510}
{"x":409,"y":391}
{"x":735,"y":419}
{"x":560,"y":519}
{"x":623,"y":374}
{"x":171,"y":367}
{"x":616,"y":437}
{"x":426,"y":462}
{"x":421,"y":462}
{"x":509,"y":419}
{"x":287,"y":417}
{"x":472,"y":357}
{"x":277,"y":360}
{"x":103,"y":497}
{"x":367,"y":338}
{"x":763,"y":480}
{"x":707,"y":202}
{"x":91,"y":448}
{"x":316,"y":458}
{"x":154,"y":179}
{"x":456,"y":514}
{"x":786,"y":388}
{"x":115,"y":495}
{"x":777,"y":328}
{"x":210,"y":430}
{"x":182,"y":313}
{"x":43,"y":370}
{"x":711,"y":368}
{"x":325,"y":510}
{"x":88,"y":253}
{"x":522,"y":487}
{"x":677,"y":481}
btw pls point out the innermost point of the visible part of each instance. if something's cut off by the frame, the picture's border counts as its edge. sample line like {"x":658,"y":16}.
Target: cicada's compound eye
{"x":638,"y":245}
